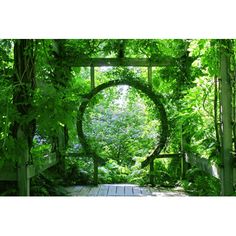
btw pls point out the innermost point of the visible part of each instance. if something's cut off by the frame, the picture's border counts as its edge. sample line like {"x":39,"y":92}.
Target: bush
{"x":198,"y":183}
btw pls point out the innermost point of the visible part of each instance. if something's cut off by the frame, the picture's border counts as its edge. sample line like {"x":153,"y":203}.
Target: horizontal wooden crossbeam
{"x":9,"y":173}
{"x":169,"y":155}
{"x":136,"y":62}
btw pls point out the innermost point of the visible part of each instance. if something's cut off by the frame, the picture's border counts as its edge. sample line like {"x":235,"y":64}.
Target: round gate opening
{"x":123,"y":124}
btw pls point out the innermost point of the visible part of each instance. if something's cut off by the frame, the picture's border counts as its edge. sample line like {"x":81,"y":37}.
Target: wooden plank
{"x":74,"y":190}
{"x":136,"y":62}
{"x":137,"y":191}
{"x":129,"y":191}
{"x":120,"y":190}
{"x":84,"y":191}
{"x":94,"y":191}
{"x":103,"y":190}
{"x":145,"y":191}
{"x":112,"y":190}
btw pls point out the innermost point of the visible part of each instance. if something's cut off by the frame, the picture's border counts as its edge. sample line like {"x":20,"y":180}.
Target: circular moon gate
{"x":156,"y":98}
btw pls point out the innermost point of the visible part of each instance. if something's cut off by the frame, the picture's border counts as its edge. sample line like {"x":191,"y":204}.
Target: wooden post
{"x":23,"y":177}
{"x":226,"y":101}
{"x":183,"y":164}
{"x":151,"y":173}
{"x":60,"y":81}
{"x":151,"y":167}
{"x":61,"y":152}
{"x":95,"y":173}
{"x":234,"y":111}
{"x":150,"y":76}
{"x":95,"y":160}
{"x":92,"y":78}
{"x":23,"y":129}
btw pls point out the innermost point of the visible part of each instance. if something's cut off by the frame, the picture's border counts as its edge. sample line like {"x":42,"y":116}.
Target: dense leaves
{"x":121,"y":124}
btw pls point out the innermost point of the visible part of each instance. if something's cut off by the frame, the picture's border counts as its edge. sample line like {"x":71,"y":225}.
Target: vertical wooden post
{"x":92,"y":78}
{"x":151,"y":173}
{"x":23,"y":129}
{"x":151,"y":167}
{"x":150,"y":76}
{"x":183,"y":164}
{"x":23,"y":167}
{"x":95,"y":173}
{"x":61,"y":152}
{"x":226,"y":97}
{"x":60,"y":81}
{"x":234,"y":110}
{"x":95,"y":160}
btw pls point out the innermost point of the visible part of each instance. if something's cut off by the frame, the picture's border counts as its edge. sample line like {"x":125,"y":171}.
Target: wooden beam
{"x":183,"y":163}
{"x":92,"y":77}
{"x":204,"y":165}
{"x":150,"y":76}
{"x":226,"y":101}
{"x":10,"y":173}
{"x":95,"y":160}
{"x":151,"y":172}
{"x":136,"y":62}
{"x":23,"y":165}
{"x":170,"y":155}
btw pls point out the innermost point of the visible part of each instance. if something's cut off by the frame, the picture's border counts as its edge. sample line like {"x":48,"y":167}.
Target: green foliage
{"x":198,"y":183}
{"x":112,"y":172}
{"x":79,"y":171}
{"x":121,"y":124}
{"x":8,"y":188}
{"x":46,"y":185}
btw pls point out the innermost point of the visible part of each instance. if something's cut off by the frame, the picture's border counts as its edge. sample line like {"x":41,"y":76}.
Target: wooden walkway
{"x":119,"y":190}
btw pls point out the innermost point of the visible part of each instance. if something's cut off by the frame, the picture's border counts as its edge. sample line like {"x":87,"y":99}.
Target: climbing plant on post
{"x":23,"y":128}
{"x":226,"y":102}
{"x":60,"y":82}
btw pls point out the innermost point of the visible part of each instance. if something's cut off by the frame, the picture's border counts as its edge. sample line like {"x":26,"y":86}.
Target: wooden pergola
{"x":23,"y":172}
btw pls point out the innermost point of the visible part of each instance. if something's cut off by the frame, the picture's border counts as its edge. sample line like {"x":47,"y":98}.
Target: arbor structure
{"x":36,"y":78}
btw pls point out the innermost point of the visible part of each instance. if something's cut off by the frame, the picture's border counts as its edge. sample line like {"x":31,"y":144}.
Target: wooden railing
{"x":203,"y":164}
{"x":206,"y":166}
{"x":8,"y":171}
